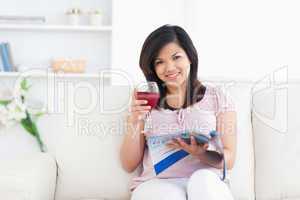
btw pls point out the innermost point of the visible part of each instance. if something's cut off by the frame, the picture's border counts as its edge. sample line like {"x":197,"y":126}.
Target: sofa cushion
{"x":242,"y":175}
{"x":277,"y":140}
{"x":16,"y":141}
{"x":87,"y":147}
{"x":28,"y":176}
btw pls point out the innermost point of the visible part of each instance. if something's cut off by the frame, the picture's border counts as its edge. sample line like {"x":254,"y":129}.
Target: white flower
{"x":13,"y":109}
{"x":16,"y":111}
{"x":15,"y":104}
{"x":3,"y":115}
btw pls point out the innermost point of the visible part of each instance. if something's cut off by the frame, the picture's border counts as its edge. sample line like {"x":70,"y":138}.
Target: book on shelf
{"x":6,"y":57}
{"x":1,"y":63}
{"x":16,"y":19}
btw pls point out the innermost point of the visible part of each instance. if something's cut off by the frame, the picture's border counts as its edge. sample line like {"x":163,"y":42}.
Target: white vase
{"x":95,"y":20}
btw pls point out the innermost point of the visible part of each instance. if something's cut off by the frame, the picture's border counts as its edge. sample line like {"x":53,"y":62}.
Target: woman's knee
{"x":207,"y":184}
{"x":158,"y":189}
{"x":203,"y":177}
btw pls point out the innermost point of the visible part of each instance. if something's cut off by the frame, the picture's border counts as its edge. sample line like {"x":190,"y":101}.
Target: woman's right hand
{"x":138,"y":109}
{"x":132,"y":149}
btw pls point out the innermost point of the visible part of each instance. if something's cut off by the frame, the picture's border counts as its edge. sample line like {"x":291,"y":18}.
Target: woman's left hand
{"x":193,"y":148}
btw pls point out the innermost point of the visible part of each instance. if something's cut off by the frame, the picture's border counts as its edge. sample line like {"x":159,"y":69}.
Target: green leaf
{"x":27,"y":124}
{"x":30,"y":126}
{"x":5,"y":102}
{"x":24,"y":85}
{"x":39,"y":114}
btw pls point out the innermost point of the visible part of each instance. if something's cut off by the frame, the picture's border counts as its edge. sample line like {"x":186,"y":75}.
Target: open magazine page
{"x":163,"y":156}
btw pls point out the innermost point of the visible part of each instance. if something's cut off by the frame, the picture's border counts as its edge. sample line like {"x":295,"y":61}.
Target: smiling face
{"x":172,"y":65}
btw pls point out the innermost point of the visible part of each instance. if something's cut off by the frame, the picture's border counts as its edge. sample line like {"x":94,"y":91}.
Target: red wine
{"x":151,"y":97}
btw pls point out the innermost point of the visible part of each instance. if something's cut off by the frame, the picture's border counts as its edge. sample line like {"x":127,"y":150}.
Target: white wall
{"x":234,"y":38}
{"x":132,"y":23}
{"x":245,"y":39}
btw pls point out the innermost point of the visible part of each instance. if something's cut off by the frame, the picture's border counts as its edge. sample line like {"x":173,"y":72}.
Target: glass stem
{"x":148,"y":121}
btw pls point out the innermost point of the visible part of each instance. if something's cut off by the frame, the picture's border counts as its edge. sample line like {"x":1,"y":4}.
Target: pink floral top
{"x":200,"y":117}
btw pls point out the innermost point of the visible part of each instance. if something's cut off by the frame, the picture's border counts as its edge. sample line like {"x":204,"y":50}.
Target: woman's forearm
{"x":132,"y":149}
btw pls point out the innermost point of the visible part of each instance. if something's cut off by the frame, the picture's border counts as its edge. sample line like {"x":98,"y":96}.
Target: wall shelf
{"x":34,"y":45}
{"x":46,"y":27}
{"x":57,"y":75}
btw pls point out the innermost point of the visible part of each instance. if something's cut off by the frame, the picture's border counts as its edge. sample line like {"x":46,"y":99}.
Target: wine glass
{"x":148,"y":91}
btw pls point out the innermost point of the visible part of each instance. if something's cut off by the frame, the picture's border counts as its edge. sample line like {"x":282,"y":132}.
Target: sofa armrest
{"x":31,"y":177}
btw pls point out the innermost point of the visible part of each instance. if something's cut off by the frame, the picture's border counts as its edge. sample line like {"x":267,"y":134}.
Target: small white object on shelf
{"x":74,"y":19}
{"x":74,"y":16}
{"x":95,"y":18}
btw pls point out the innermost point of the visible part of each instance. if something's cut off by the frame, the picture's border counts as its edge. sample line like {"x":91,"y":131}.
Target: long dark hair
{"x":151,"y":47}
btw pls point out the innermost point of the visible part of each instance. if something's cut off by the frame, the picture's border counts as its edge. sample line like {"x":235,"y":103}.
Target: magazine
{"x":164,"y":156}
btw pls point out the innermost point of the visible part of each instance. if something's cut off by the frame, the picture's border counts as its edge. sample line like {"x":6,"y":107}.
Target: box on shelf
{"x":68,"y":65}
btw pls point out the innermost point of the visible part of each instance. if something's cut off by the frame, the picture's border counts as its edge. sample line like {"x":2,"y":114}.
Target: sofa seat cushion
{"x":28,"y":176}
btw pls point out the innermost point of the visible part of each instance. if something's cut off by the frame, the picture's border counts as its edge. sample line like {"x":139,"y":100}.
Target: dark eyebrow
{"x":174,"y":54}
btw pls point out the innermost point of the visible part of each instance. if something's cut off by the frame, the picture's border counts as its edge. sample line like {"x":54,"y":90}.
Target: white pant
{"x":202,"y":185}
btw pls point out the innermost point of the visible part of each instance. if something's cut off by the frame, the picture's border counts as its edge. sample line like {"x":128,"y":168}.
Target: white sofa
{"x":82,"y":161}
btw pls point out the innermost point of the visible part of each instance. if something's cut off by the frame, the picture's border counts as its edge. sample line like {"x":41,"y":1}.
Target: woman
{"x":169,"y":58}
